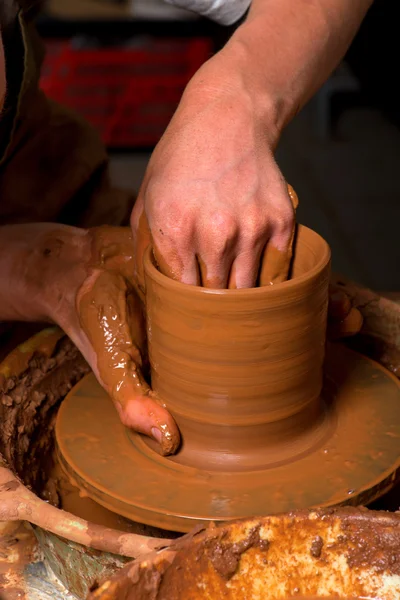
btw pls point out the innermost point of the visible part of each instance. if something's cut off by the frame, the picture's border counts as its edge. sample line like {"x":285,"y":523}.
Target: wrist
{"x":230,"y":77}
{"x":39,"y":266}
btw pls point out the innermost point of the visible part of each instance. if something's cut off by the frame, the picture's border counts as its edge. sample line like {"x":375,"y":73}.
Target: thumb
{"x":344,"y":319}
{"x":111,"y":316}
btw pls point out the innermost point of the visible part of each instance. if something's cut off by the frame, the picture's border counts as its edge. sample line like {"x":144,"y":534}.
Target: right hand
{"x":213,"y":203}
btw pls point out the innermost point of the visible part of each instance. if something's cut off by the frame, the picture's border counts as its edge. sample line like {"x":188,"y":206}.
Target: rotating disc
{"x":356,"y":461}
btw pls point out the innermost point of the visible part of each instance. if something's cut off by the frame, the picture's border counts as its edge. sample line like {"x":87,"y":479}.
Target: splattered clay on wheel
{"x":350,"y":455}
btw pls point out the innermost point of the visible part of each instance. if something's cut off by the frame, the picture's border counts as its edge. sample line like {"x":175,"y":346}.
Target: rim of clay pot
{"x":324,"y":257}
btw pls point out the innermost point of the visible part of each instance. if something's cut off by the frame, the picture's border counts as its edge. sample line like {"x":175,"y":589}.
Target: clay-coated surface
{"x":241,"y":370}
{"x":342,"y":554}
{"x":357,"y":461}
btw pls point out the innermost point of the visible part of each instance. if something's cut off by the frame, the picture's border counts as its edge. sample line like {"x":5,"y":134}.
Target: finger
{"x":244,"y":272}
{"x":339,"y":305}
{"x":217,"y":245}
{"x":214,"y":273}
{"x":275,"y":264}
{"x":294,"y":199}
{"x":348,"y":327}
{"x":182,"y":266}
{"x":141,"y":240}
{"x":146,"y":415}
{"x":110,"y":313}
{"x":278,"y":253}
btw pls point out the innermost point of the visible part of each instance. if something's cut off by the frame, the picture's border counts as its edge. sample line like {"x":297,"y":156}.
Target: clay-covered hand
{"x":83,"y":281}
{"x":111,"y":315}
{"x":344,"y":319}
{"x":213,"y":198}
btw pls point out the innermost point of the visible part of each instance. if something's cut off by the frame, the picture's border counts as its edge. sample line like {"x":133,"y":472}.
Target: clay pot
{"x":241,"y":370}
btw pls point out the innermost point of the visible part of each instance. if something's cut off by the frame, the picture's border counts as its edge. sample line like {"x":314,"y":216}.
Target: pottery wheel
{"x":353,"y":460}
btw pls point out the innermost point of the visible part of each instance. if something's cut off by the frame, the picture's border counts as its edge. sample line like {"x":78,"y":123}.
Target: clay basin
{"x":343,"y":553}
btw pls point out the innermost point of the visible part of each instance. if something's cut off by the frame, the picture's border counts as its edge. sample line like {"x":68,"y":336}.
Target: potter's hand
{"x":111,"y":316}
{"x":344,"y":320}
{"x":82,"y":280}
{"x":213,"y":195}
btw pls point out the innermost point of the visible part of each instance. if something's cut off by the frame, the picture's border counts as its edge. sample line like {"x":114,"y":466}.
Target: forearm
{"x":294,"y":46}
{"x":35,"y":266}
{"x":283,"y":53}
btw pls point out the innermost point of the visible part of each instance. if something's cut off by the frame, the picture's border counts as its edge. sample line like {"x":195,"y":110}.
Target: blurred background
{"x":124,"y":64}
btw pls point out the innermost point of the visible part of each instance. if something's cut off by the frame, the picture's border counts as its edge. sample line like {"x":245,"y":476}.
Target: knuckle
{"x":220,"y":231}
{"x":254,"y":226}
{"x":283,"y":221}
{"x":170,"y":218}
{"x":224,"y":222}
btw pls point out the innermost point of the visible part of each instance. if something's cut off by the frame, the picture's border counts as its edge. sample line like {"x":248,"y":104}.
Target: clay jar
{"x":241,"y":370}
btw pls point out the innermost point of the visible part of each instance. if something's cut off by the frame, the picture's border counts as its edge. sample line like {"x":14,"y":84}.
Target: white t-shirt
{"x":225,"y":12}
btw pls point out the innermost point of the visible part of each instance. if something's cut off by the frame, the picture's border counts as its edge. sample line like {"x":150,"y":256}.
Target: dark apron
{"x":53,"y":165}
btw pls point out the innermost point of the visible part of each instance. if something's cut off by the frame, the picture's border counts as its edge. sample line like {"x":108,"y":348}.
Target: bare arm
{"x":285,"y":50}
{"x":213,"y":194}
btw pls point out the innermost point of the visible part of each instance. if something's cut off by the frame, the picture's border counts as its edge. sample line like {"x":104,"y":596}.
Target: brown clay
{"x":111,"y":315}
{"x":272,"y":558}
{"x":241,"y":370}
{"x":244,"y":386}
{"x":275,"y":266}
{"x":109,"y":303}
{"x":17,"y":551}
{"x":354,"y":460}
{"x":33,"y":380}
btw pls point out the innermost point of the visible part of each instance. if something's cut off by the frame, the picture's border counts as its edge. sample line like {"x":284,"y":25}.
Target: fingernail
{"x":157,"y":435}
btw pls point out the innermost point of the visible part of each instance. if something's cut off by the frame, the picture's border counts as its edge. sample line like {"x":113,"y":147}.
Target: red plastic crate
{"x":129,"y":94}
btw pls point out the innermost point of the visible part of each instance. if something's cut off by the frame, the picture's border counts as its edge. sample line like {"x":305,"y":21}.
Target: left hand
{"x":83,"y":281}
{"x":344,"y":320}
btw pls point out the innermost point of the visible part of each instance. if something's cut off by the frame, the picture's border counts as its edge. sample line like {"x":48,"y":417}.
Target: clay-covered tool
{"x":17,"y":503}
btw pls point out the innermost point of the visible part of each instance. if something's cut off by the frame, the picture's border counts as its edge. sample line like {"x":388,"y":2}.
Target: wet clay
{"x":241,"y":370}
{"x":244,"y":385}
{"x":271,"y":558}
{"x":28,"y":398}
{"x":353,"y":458}
{"x":111,"y":314}
{"x":276,"y":264}
{"x":18,"y":548}
{"x":62,"y":491}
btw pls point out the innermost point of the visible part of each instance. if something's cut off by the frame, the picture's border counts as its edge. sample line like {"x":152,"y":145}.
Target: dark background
{"x":344,"y":155}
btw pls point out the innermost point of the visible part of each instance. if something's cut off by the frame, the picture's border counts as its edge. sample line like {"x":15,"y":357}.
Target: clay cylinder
{"x":241,"y":370}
